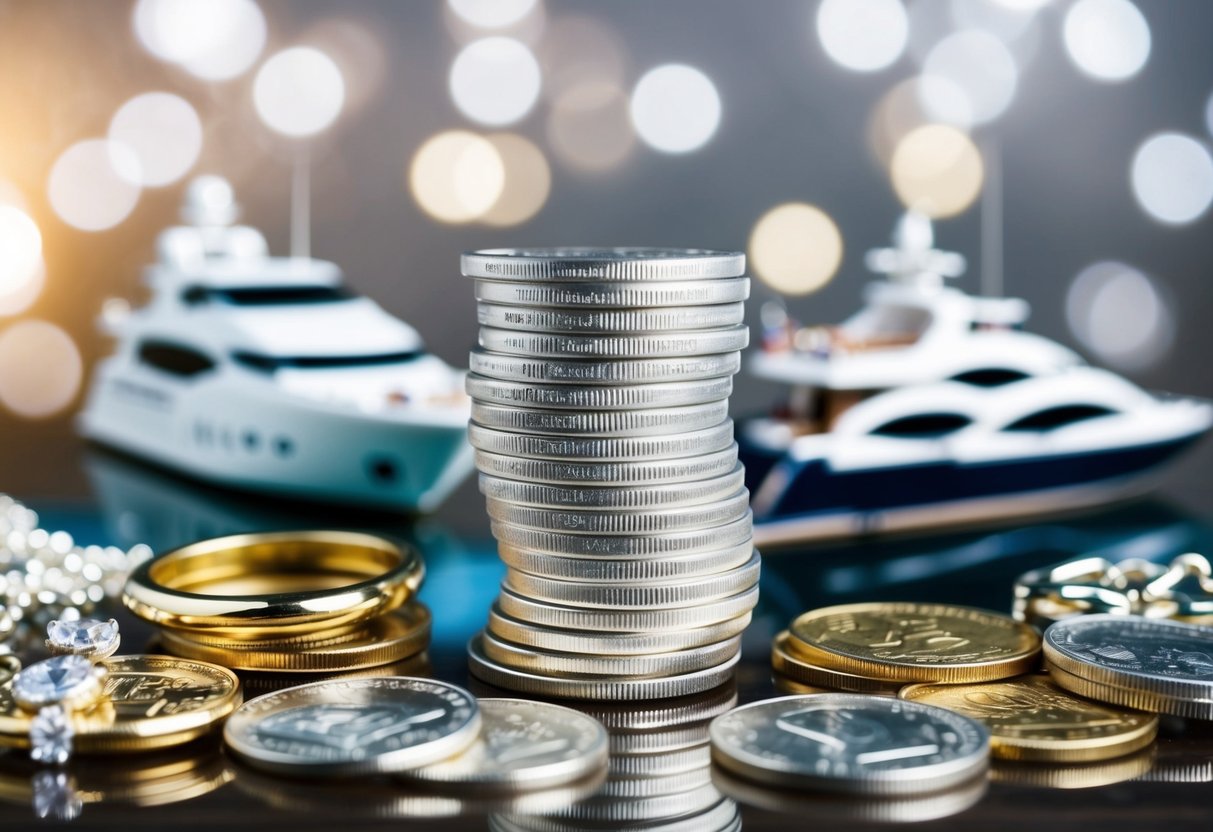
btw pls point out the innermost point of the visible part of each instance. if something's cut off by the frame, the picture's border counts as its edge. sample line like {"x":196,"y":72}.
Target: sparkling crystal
{"x":53,"y":680}
{"x":55,"y":796}
{"x":50,"y":736}
{"x":83,"y":636}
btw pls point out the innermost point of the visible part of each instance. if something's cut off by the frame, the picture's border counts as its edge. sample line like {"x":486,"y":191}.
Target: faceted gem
{"x":50,"y":736}
{"x":83,"y":636}
{"x":54,"y":680}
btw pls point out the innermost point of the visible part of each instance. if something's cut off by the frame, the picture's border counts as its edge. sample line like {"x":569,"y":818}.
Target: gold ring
{"x":259,"y":586}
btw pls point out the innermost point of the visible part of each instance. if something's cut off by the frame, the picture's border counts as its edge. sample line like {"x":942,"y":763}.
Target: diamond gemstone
{"x":53,"y":680}
{"x":50,"y":736}
{"x":84,"y":636}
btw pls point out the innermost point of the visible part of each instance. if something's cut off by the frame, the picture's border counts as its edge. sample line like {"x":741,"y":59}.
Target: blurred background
{"x":1063,"y":146}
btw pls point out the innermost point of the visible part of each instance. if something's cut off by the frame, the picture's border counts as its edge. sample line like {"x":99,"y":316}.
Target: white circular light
{"x":675,"y":108}
{"x":1209,"y":115}
{"x":968,"y":78}
{"x":1172,"y":178}
{"x":1118,"y":314}
{"x":20,"y":250}
{"x":164,"y":132}
{"x":1022,"y":5}
{"x":457,"y":176}
{"x":17,"y":300}
{"x":1108,"y":40}
{"x":528,"y":180}
{"x":795,"y":248}
{"x":495,"y":80}
{"x":299,"y":91}
{"x":491,"y":14}
{"x":212,"y":39}
{"x":937,"y":170}
{"x":92,"y":184}
{"x":40,"y":369}
{"x":863,"y":35}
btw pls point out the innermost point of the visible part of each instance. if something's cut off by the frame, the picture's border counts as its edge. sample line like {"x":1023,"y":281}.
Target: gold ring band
{"x":270,"y":585}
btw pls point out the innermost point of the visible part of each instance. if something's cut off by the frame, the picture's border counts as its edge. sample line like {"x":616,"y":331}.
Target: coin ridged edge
{"x":629,"y":546}
{"x":566,"y":567}
{"x":661,"y":394}
{"x":609,"y":620}
{"x":659,"y":421}
{"x":627,"y":264}
{"x":651,"y":345}
{"x":612,"y":521}
{"x":1141,"y":700}
{"x":644,"y":666}
{"x":798,"y":670}
{"x":602,"y":449}
{"x":592,"y":320}
{"x":613,"y":295}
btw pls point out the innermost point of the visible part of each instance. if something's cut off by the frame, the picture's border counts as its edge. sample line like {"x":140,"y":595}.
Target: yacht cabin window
{"x":272,"y":363}
{"x":175,"y":359}
{"x":923,"y":426}
{"x":990,"y":376}
{"x":1057,"y":417}
{"x":264,"y":295}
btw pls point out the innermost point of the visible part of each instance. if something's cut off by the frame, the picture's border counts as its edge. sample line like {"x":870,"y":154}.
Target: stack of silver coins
{"x":606,"y":456}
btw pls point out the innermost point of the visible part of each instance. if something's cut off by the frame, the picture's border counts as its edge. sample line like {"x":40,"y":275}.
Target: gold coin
{"x":794,"y":669}
{"x":1030,"y":718}
{"x":914,"y":642}
{"x":149,"y":702}
{"x":788,"y":685}
{"x":389,"y":638}
{"x":1075,"y":775}
{"x":257,"y":682}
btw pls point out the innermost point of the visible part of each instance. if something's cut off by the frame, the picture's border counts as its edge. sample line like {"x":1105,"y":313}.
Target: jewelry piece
{"x":259,"y":586}
{"x":49,"y":690}
{"x":89,"y":637}
{"x":1182,"y":589}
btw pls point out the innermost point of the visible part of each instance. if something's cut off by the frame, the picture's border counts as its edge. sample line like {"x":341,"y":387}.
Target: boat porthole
{"x":383,"y":470}
{"x":283,"y":446}
{"x":251,"y":440}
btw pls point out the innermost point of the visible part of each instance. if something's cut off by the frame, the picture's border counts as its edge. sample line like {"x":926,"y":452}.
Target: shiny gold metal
{"x":1032,"y":719}
{"x":383,"y":640}
{"x":1075,"y":775}
{"x":915,"y":642}
{"x":10,"y":666}
{"x":269,"y":585}
{"x":789,"y":686}
{"x":794,"y":669}
{"x":148,"y":702}
{"x":258,"y":682}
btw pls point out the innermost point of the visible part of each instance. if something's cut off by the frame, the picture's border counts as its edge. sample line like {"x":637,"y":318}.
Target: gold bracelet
{"x":258,"y":586}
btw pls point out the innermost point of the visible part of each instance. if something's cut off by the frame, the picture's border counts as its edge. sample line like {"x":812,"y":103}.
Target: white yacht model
{"x":931,"y":407}
{"x":266,"y":373}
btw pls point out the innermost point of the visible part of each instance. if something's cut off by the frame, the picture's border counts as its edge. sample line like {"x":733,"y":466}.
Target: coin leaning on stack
{"x":606,"y":456}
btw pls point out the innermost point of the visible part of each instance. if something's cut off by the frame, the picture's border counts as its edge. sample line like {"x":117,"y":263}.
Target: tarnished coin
{"x":628,"y":689}
{"x":604,"y":321}
{"x":914,"y":642}
{"x":583,"y":371}
{"x":551,"y":663}
{"x":790,"y":665}
{"x":1154,"y":665}
{"x":848,"y":742}
{"x":643,"y":596}
{"x":624,"y":497}
{"x":354,"y":726}
{"x":578,"y":263}
{"x":598,"y":397}
{"x":614,"y":295}
{"x":622,"y":521}
{"x":523,"y":744}
{"x":629,"y":570}
{"x":611,"y":644}
{"x":655,"y":345}
{"x":620,"y":423}
{"x":647,"y":472}
{"x":625,"y":546}
{"x":1031,"y":718}
{"x":600,"y":449}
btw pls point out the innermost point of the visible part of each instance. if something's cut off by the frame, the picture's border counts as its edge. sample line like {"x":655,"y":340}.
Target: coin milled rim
{"x":609,"y":321}
{"x":649,"y":472}
{"x":597,"y":397}
{"x":626,"y":570}
{"x":614,"y":294}
{"x":1137,"y":699}
{"x":611,"y":644}
{"x":650,"y":345}
{"x":659,"y":421}
{"x":788,"y":664}
{"x":626,"y":546}
{"x":504,"y":367}
{"x":567,"y":617}
{"x":613,"y":521}
{"x":601,"y":449}
{"x":645,"y":666}
{"x":631,"y":497}
{"x":628,"y":263}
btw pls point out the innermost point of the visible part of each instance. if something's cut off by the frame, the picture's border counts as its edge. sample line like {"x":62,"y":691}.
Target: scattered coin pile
{"x":600,"y":422}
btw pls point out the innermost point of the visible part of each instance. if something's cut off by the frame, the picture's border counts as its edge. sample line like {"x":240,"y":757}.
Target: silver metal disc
{"x":645,"y":472}
{"x":588,"y":371}
{"x":576,"y":263}
{"x":617,"y":423}
{"x":604,"y":321}
{"x":626,"y":546}
{"x":614,"y":295}
{"x":597,"y":397}
{"x":620,"y":521}
{"x":565,"y":617}
{"x":689,"y":342}
{"x":600,"y":449}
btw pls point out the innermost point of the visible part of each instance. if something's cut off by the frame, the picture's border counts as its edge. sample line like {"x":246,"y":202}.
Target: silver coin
{"x":354,"y":726}
{"x":655,"y":422}
{"x":622,"y":521}
{"x":636,"y":263}
{"x":661,"y":763}
{"x":616,"y":295}
{"x":647,"y":596}
{"x":614,"y":497}
{"x":626,"y":546}
{"x":629,"y":570}
{"x":539,"y":684}
{"x":582,"y":371}
{"x":608,"y":810}
{"x":523,"y":744}
{"x":589,"y":397}
{"x":645,"y":472}
{"x":638,"y":788}
{"x":656,"y":345}
{"x":608,"y":321}
{"x":649,"y":666}
{"x":622,"y":718}
{"x":611,"y":644}
{"x":600,"y":449}
{"x":660,"y":742}
{"x":722,"y":816}
{"x":1166,"y":658}
{"x":606,"y":621}
{"x":851,"y":743}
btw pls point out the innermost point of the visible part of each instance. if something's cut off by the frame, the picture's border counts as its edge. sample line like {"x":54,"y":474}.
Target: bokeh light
{"x":495,"y":80}
{"x":457,"y":176}
{"x":20,"y":250}
{"x":40,"y":369}
{"x":299,"y":91}
{"x":1172,"y":178}
{"x":578,"y":52}
{"x":491,"y":14}
{"x":896,"y":113}
{"x":20,"y":298}
{"x":863,"y":35}
{"x":969,"y":78}
{"x":675,"y":108}
{"x":589,"y":127}
{"x":528,"y":180}
{"x":1209,"y":114}
{"x":212,"y":39}
{"x":1022,"y":5}
{"x":1006,"y":22}
{"x":164,"y":132}
{"x":1117,"y":313}
{"x":795,"y":248}
{"x":92,"y":184}
{"x":1108,"y":40}
{"x":937,"y":170}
